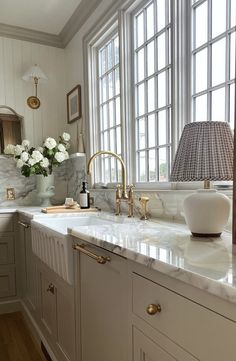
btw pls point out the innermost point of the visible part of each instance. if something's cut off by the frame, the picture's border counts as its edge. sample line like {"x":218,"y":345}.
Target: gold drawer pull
{"x":152,"y":309}
{"x":99,"y":259}
{"x":25,"y":225}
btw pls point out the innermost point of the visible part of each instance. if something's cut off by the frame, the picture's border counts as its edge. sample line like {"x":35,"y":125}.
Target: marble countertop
{"x":208,"y":264}
{"x":168,"y":247}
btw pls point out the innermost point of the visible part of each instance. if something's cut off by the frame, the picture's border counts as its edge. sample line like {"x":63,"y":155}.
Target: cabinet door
{"x":30,"y":292}
{"x":146,"y":350}
{"x":47,"y":295}
{"x":104,"y":317}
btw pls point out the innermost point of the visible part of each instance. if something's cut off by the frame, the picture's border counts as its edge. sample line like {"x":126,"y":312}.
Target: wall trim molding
{"x":76,"y":21}
{"x":16,"y":32}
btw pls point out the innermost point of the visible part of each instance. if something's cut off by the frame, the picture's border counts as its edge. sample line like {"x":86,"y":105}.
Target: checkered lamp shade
{"x":205,"y":152}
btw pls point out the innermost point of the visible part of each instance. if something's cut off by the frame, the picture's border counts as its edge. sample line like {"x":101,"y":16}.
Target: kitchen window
{"x":159,"y":65}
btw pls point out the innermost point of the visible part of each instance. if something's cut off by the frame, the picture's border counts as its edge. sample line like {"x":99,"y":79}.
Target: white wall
{"x":16,"y":57}
{"x":74,"y":64}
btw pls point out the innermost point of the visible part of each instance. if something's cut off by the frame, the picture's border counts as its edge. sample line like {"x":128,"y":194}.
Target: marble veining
{"x":170,"y":249}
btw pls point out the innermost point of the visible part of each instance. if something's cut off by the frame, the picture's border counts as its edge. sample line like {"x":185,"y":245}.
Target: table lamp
{"x":205,"y":153}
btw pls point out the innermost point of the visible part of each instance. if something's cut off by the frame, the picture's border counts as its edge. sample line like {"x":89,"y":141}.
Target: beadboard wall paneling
{"x":16,"y":57}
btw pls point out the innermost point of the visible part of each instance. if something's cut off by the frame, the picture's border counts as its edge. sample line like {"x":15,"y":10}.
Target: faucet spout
{"x":123,"y":168}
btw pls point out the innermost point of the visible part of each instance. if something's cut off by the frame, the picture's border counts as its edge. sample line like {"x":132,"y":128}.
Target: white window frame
{"x":120,"y":17}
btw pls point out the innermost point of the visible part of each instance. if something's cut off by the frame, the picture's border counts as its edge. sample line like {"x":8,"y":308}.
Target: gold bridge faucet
{"x":121,"y":192}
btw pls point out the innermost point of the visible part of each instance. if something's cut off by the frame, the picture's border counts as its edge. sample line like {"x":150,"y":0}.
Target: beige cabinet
{"x":28,"y":265}
{"x":175,"y":323}
{"x":56,"y":313}
{"x":146,"y":349}
{"x":7,"y":257}
{"x":104,"y":305}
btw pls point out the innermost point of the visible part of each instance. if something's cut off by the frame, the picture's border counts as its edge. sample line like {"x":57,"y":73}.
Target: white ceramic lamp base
{"x":206,"y":212}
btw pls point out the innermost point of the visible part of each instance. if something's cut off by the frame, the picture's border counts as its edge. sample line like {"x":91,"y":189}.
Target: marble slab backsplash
{"x":68,"y":179}
{"x":165,"y":204}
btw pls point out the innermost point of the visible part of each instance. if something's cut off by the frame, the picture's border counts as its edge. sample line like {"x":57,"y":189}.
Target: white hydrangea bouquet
{"x":40,"y":160}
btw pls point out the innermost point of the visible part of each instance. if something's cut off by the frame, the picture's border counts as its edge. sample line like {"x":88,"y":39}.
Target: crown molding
{"x":33,"y":36}
{"x":76,"y":21}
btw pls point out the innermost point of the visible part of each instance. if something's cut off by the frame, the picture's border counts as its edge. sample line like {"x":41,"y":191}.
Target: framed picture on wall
{"x":74,"y":111}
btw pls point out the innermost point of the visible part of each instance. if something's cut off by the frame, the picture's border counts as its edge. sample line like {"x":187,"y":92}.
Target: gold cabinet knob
{"x":152,"y":309}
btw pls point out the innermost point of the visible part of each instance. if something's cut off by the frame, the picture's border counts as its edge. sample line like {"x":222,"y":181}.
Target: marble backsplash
{"x":68,"y":179}
{"x":165,"y":204}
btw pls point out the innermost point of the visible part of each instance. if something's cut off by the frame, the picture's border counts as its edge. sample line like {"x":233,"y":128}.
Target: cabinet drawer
{"x":7,"y":281}
{"x":203,"y":333}
{"x":7,"y":249}
{"x":6,"y":223}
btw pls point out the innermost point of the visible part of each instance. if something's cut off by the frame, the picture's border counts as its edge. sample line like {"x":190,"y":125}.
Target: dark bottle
{"x":84,"y":199}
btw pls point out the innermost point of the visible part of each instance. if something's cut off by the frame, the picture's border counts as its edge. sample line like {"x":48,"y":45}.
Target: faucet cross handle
{"x":144,"y":201}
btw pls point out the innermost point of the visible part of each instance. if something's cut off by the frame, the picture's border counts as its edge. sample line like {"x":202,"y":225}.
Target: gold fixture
{"x":99,"y":259}
{"x":143,"y":202}
{"x":11,"y":194}
{"x":23,"y":224}
{"x":153,"y":309}
{"x":51,"y":288}
{"x":35,"y":73}
{"x":121,"y":192}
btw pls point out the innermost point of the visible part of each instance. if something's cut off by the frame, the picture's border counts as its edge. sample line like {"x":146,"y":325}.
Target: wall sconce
{"x":35,"y":73}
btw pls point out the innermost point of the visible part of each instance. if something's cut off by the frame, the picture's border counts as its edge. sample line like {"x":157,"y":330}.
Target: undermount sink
{"x":61,"y":224}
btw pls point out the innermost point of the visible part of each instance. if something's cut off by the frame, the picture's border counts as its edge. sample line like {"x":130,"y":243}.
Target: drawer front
{"x":7,"y":250}
{"x":203,"y":333}
{"x":7,"y":281}
{"x":6,"y":223}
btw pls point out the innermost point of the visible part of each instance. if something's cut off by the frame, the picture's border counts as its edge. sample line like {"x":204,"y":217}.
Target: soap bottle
{"x":84,"y":199}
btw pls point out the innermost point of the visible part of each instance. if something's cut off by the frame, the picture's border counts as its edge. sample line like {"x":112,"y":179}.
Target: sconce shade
{"x":205,"y":152}
{"x":34,"y":72}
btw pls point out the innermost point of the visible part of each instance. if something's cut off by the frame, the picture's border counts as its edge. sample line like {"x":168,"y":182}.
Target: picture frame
{"x":74,"y":111}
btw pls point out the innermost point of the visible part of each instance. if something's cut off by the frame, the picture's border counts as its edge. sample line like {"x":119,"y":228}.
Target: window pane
{"x":152,"y":165}
{"x":107,"y":170}
{"x":110,"y":86}
{"x":113,"y":169}
{"x":232,"y":116}
{"x":104,"y":115}
{"x":140,"y":65}
{"x":218,"y":62}
{"x":162,"y":128}
{"x":151,"y":95}
{"x":104,"y":89}
{"x":102,"y":61}
{"x":142,"y":166}
{"x":218,"y":105}
{"x":162,"y":89}
{"x":201,"y":108}
{"x":111,"y":113}
{"x":161,"y":18}
{"x":141,"y":99}
{"x":116,"y":50}
{"x":150,"y":21}
{"x":150,"y":58}
{"x":118,"y":140}
{"x":151,"y":131}
{"x":201,"y":24}
{"x":163,"y":172}
{"x":112,"y":140}
{"x":233,"y":13}
{"x":117,"y":81}
{"x":118,"y":110}
{"x":139,"y":30}
{"x":201,"y":71}
{"x":161,"y":46}
{"x":109,"y":55}
{"x":218,"y":17}
{"x":141,"y":133}
{"x":232,"y":56}
{"x":105,"y":139}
